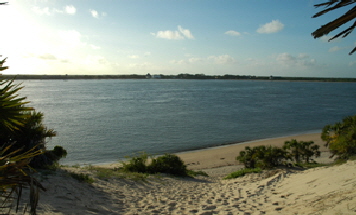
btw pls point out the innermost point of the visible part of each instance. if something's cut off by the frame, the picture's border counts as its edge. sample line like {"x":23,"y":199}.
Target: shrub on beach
{"x":262,"y":156}
{"x":341,"y":138}
{"x":267,"y":157}
{"x":168,"y":163}
{"x":302,"y":150}
{"x":136,"y":163}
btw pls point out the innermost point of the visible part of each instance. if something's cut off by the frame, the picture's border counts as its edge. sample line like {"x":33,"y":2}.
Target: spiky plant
{"x":14,"y":169}
{"x":14,"y":176}
{"x":11,"y":106}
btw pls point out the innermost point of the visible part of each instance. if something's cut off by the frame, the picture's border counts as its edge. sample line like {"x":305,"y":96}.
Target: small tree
{"x":341,"y":138}
{"x":302,"y":150}
{"x":271,"y":156}
{"x":248,"y":157}
{"x":296,"y":149}
{"x":262,"y":156}
{"x":310,"y":150}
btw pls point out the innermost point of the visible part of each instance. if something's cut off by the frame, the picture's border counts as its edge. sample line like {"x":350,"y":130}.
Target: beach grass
{"x":82,"y":177}
{"x":108,"y":173}
{"x":242,"y":172}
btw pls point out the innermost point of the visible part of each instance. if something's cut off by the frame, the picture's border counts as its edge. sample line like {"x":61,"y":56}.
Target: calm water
{"x":101,"y":121}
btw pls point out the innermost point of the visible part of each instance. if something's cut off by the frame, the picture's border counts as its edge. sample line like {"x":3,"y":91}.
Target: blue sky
{"x":213,"y":37}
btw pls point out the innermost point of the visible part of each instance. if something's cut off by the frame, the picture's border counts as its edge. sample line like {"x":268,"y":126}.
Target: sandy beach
{"x":323,"y":190}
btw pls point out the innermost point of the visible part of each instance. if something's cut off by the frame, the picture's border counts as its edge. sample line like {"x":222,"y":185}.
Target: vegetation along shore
{"x":180,"y":76}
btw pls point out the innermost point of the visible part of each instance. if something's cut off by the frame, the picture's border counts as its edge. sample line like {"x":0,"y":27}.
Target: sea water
{"x":102,"y":121}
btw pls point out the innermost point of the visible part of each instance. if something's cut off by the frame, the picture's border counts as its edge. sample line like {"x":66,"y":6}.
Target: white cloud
{"x":71,"y":38}
{"x":65,"y":61}
{"x":178,"y":61}
{"x":47,"y":56}
{"x":143,"y":66}
{"x":55,"y":10}
{"x":222,"y":59}
{"x":285,"y":57}
{"x":70,"y":9}
{"x":41,"y":11}
{"x":335,"y":48}
{"x":195,"y":60}
{"x":96,"y":60}
{"x":303,"y":56}
{"x":146,"y":54}
{"x":271,"y":27}
{"x":352,"y":63}
{"x":170,"y":35}
{"x":94,"y":47}
{"x":326,"y":39}
{"x":174,"y":35}
{"x":94,"y":13}
{"x":233,"y":33}
{"x":134,"y":56}
{"x":290,"y":60}
{"x":185,"y":32}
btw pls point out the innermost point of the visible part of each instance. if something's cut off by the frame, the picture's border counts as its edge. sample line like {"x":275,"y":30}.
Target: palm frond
{"x":12,"y":107}
{"x":335,"y":24}
{"x":13,"y":177}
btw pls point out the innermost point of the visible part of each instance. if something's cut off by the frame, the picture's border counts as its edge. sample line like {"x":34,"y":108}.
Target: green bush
{"x":82,"y":177}
{"x":59,"y":152}
{"x":242,"y":173}
{"x":341,"y":138}
{"x":168,"y":163}
{"x":136,"y":163}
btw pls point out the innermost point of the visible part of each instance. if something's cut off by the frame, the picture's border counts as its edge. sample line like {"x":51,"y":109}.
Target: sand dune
{"x":323,"y":190}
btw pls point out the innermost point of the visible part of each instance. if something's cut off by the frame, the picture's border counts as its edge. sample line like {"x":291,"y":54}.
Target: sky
{"x":170,"y":37}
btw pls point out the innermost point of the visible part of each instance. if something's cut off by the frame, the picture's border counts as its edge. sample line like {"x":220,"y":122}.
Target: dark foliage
{"x":267,"y":157}
{"x":341,"y":138}
{"x":167,"y":163}
{"x":349,"y":16}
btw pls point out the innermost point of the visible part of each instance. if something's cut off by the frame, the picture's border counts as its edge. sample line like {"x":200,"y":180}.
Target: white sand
{"x":325,"y":190}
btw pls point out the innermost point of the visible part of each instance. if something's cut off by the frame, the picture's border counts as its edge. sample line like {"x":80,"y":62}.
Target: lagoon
{"x":101,"y":121}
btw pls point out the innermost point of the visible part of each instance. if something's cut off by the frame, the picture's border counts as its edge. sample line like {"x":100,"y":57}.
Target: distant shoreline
{"x":180,"y":76}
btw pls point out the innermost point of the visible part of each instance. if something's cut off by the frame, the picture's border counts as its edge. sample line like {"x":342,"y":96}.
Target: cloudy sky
{"x":214,"y":37}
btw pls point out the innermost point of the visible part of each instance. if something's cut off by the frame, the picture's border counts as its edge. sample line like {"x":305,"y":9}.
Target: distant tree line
{"x":181,"y":76}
